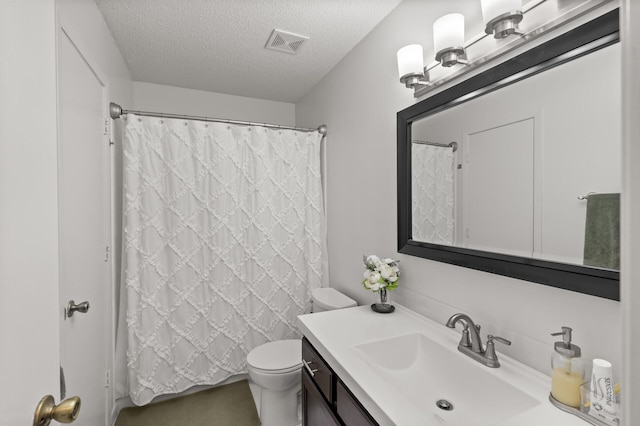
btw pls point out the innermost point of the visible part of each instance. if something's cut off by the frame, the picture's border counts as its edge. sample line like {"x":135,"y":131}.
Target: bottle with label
{"x":567,"y":370}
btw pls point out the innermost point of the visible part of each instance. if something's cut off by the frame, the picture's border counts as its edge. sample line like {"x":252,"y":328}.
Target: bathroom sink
{"x":434,"y":378}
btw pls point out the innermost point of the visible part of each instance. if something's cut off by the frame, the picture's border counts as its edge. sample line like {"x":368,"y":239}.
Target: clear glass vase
{"x":384,"y":306}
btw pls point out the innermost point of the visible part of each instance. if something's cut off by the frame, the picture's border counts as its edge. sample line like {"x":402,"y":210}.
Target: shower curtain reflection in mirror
{"x":223,"y":241}
{"x":432,"y":193}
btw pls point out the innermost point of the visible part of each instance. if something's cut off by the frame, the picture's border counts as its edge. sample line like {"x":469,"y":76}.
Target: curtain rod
{"x":115,"y":111}
{"x":453,"y":145}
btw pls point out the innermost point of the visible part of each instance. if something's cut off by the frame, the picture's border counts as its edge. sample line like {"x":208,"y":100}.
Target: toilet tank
{"x":328,"y":299}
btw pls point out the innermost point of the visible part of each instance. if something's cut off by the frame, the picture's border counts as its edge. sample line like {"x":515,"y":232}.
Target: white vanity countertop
{"x":335,"y":333}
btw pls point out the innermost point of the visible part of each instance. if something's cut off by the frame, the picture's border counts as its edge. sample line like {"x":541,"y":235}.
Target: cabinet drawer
{"x":350,"y":411}
{"x":315,"y":410}
{"x":318,"y":370}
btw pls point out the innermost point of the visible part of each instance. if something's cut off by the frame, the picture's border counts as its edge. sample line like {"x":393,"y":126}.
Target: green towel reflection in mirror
{"x":602,"y":231}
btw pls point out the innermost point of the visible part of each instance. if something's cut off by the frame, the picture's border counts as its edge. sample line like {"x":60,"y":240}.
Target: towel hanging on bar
{"x":602,"y":231}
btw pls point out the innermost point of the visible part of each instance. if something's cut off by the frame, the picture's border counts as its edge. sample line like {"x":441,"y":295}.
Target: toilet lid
{"x":278,"y":355}
{"x":329,"y":298}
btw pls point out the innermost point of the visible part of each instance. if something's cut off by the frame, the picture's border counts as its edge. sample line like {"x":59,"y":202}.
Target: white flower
{"x":374,"y":277}
{"x":379,"y":273}
{"x":374,"y":260}
{"x":375,"y":287}
{"x":371,"y":276}
{"x":371,"y":280}
{"x":386,"y":271}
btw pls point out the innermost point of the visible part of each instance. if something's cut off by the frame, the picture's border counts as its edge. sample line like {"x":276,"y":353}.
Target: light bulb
{"x":410,"y":60}
{"x":448,"y":32}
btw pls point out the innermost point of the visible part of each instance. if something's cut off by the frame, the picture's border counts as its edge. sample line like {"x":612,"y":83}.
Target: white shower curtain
{"x":223,"y":237}
{"x":432,"y":194}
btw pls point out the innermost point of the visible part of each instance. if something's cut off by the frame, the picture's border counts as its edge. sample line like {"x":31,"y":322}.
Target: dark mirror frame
{"x":594,"y":35}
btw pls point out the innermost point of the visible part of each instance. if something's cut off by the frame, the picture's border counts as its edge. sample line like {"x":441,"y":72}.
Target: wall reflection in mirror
{"x":527,"y":155}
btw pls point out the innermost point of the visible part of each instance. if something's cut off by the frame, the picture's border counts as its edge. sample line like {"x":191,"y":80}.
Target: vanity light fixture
{"x":448,"y":40}
{"x":411,"y":69}
{"x":502,"y":17}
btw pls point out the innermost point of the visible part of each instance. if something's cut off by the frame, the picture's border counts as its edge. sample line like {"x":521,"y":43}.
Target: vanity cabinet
{"x":315,"y":409}
{"x":326,"y":400}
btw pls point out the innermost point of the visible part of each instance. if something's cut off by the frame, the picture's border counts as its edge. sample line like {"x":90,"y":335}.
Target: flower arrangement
{"x":380,"y":273}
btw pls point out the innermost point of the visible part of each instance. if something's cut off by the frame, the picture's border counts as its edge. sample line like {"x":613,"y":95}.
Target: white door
{"x":28,"y":209}
{"x":498,"y":205}
{"x":83,"y":171}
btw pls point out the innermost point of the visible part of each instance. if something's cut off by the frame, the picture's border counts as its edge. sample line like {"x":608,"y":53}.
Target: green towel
{"x":602,"y":231}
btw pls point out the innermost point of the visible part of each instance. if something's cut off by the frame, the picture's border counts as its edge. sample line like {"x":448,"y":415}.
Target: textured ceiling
{"x":218,"y":45}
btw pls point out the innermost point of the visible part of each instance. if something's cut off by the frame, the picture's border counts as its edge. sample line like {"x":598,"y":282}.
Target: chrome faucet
{"x":471,"y":342}
{"x":466,"y":342}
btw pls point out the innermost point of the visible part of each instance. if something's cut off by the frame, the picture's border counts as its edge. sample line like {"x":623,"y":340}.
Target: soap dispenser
{"x":567,"y":370}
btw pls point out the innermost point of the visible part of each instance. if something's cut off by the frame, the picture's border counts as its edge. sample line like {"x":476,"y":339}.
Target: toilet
{"x":275,"y":366}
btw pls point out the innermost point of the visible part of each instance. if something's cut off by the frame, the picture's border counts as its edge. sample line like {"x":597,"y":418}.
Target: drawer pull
{"x":307,"y":366}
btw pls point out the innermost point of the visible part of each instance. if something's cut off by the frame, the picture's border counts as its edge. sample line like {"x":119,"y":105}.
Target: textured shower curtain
{"x":223,"y":240}
{"x":432,"y":194}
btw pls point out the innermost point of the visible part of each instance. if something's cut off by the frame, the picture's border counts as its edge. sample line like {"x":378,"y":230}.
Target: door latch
{"x":72,"y":307}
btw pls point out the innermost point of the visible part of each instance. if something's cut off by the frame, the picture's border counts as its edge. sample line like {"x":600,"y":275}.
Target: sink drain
{"x":445,"y":405}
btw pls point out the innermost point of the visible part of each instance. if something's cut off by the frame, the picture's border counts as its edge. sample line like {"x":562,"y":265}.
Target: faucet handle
{"x":491,"y":338}
{"x":490,"y":353}
{"x":465,"y":340}
{"x":478,"y":337}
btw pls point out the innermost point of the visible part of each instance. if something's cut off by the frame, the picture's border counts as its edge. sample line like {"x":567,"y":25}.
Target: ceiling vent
{"x":284,"y":41}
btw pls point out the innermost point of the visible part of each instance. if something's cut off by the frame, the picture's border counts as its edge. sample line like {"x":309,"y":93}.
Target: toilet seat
{"x":277,"y":357}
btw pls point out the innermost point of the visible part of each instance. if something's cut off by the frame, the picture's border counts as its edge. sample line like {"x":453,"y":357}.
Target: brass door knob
{"x":65,"y":412}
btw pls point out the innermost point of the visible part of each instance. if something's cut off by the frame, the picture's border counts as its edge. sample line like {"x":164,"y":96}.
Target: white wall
{"x":358,"y":100}
{"x":29,"y":352}
{"x":631,"y":209}
{"x":177,"y":100}
{"x":84,"y":24}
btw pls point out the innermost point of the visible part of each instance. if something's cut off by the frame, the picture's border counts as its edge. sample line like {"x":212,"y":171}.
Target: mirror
{"x":516,"y":171}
